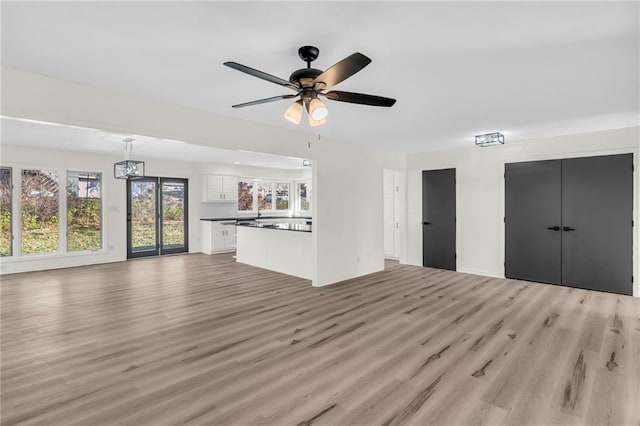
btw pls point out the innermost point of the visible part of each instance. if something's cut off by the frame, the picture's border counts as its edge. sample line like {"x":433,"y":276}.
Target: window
{"x":282,"y":196}
{"x":265,"y":196}
{"x":6,"y":247}
{"x":254,"y":194}
{"x":84,"y":211}
{"x":245,"y":195}
{"x":304,"y":197}
{"x":40,"y":211}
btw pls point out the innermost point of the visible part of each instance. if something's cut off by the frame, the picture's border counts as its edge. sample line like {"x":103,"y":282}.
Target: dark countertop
{"x":218,"y":219}
{"x":278,"y":226}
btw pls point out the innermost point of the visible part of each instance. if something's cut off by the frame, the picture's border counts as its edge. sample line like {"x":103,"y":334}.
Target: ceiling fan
{"x":310,"y":83}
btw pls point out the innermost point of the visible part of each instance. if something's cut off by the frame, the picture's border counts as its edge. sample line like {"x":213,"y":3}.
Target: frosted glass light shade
{"x":317,"y":110}
{"x":316,"y":123}
{"x":294,"y":112}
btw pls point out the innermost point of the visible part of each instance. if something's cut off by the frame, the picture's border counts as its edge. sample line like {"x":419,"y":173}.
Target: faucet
{"x":258,"y":212}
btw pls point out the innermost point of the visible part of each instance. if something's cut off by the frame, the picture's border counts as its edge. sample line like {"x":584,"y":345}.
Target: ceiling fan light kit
{"x":309,"y":83}
{"x":294,"y":112}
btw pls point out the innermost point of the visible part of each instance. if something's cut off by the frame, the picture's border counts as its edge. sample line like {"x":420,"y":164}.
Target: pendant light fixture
{"x":128,"y":168}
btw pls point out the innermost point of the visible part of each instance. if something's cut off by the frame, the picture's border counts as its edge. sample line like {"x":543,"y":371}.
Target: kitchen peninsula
{"x":278,"y":246}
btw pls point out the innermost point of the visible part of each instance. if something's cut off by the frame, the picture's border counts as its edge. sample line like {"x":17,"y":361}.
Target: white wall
{"x":347,"y":213}
{"x":113,"y":199}
{"x":347,"y":178}
{"x":480,"y":192}
{"x":255,"y":172}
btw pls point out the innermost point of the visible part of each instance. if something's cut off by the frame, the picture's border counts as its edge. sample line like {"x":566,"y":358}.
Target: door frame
{"x":159,"y":249}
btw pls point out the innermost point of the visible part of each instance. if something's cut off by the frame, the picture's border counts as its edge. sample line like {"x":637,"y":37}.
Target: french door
{"x":157,"y":216}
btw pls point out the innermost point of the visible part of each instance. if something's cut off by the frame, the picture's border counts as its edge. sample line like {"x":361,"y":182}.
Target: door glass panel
{"x":143,"y":216}
{"x":173,"y":196}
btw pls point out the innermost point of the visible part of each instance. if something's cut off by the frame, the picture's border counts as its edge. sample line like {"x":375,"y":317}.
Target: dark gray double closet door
{"x":569,"y":222}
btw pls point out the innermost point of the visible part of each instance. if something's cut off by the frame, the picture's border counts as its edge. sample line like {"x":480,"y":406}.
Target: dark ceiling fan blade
{"x":264,"y":101}
{"x":359,"y":98}
{"x":342,"y":70}
{"x":260,"y":74}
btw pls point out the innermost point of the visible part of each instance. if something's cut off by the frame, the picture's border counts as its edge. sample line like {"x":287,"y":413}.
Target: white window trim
{"x":273,"y":182}
{"x":16,"y":215}
{"x":297,"y":211}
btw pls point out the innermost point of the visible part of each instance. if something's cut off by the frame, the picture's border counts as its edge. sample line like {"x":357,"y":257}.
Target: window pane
{"x":5,"y":211}
{"x":303,"y":197}
{"x":282,"y":196}
{"x":40,"y":207}
{"x":245,"y":195}
{"x":84,"y":211}
{"x":265,"y":201}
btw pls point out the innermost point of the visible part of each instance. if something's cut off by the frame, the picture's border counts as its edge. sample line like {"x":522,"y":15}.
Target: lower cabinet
{"x":218,"y":237}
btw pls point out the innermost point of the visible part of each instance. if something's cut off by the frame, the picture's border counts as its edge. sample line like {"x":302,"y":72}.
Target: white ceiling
{"x":457,"y":69}
{"x":68,"y":138}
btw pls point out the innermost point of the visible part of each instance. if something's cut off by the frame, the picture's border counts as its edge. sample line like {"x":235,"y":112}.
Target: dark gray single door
{"x":439,"y":218}
{"x":533,"y":236}
{"x":597,"y":214}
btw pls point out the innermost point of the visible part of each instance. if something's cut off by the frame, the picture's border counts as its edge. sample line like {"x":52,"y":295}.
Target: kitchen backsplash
{"x":212,"y":210}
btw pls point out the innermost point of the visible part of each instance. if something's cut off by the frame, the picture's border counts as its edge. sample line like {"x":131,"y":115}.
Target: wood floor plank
{"x":199,"y":339}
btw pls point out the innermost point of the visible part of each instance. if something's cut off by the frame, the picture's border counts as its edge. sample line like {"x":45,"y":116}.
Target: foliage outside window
{"x":304,"y":201}
{"x":5,"y":212}
{"x":40,"y":209}
{"x":173,"y":195}
{"x":282,"y":196}
{"x":257,"y":195}
{"x":265,"y":196}
{"x":245,"y":195}
{"x":84,"y":211}
{"x":143,"y":215}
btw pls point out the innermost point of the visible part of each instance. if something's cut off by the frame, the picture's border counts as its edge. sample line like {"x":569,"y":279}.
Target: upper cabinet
{"x":222,"y":188}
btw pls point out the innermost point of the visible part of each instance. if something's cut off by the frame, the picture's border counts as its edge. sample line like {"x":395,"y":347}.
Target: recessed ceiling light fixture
{"x":489,"y":139}
{"x":128,"y":168}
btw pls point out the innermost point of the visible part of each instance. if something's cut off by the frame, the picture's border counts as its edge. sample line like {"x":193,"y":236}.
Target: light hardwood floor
{"x":200,"y":339}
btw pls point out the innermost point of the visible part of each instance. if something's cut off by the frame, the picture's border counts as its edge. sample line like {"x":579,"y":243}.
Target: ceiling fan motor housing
{"x":305,"y":76}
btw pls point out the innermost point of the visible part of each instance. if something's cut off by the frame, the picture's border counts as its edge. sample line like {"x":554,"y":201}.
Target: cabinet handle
{"x":553,"y":228}
{"x":567,"y":228}
{"x":426,"y":223}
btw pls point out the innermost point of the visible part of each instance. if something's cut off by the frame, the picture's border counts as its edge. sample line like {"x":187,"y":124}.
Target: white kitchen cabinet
{"x":222,"y":188}
{"x":218,"y":237}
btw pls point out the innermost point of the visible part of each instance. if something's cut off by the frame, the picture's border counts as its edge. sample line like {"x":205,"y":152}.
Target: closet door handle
{"x":553,"y":228}
{"x":567,"y":229}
